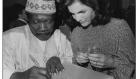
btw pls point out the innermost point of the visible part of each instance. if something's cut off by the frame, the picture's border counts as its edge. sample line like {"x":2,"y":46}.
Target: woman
{"x":101,"y":42}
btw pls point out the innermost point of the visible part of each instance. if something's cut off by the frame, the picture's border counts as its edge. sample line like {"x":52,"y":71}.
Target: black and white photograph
{"x":68,"y":39}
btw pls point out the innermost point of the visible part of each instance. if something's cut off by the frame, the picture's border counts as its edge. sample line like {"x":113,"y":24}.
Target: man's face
{"x":42,"y":26}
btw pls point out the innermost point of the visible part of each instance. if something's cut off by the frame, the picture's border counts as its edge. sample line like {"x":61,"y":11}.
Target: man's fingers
{"x":53,"y":70}
{"x":48,"y":75}
{"x":48,"y":68}
{"x":59,"y":67}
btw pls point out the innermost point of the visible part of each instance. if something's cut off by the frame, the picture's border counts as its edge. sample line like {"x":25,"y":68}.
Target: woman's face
{"x":82,"y":13}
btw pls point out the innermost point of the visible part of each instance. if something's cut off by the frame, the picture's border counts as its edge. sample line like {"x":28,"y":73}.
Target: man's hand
{"x":32,"y":73}
{"x":54,"y":65}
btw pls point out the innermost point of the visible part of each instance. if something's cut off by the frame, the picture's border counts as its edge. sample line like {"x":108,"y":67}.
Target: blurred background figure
{"x":11,"y":11}
{"x":21,"y":20}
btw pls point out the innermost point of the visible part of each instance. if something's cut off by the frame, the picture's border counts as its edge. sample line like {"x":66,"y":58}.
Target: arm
{"x":8,"y":60}
{"x":124,"y":60}
{"x":79,"y":57}
{"x":63,"y":46}
{"x":32,"y":73}
{"x":9,"y":66}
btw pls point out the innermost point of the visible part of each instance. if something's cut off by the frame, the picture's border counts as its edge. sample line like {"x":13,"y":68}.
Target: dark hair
{"x":101,"y":8}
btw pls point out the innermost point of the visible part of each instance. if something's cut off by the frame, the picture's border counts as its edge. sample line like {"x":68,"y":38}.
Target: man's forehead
{"x":48,"y":0}
{"x":44,"y":15}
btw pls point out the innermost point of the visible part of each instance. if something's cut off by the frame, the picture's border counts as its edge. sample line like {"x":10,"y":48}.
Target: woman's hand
{"x":82,"y":58}
{"x":100,"y":60}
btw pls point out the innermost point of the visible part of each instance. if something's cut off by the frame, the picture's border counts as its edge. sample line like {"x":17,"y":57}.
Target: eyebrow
{"x":82,"y":11}
{"x":71,"y":13}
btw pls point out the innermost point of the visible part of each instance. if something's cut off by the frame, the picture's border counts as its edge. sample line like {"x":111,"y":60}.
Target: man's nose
{"x":42,"y":26}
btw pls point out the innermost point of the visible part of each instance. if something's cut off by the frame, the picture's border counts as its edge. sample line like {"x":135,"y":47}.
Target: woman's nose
{"x":77,"y":18}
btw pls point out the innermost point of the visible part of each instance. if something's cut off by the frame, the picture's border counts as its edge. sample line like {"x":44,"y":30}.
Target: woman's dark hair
{"x":101,"y":8}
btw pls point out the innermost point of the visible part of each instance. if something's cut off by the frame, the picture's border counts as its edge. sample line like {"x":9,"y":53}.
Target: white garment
{"x":22,"y":50}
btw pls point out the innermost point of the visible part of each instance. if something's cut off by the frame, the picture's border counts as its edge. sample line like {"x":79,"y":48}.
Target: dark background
{"x":122,"y":9}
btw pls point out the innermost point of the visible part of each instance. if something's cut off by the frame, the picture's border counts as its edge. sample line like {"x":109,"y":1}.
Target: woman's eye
{"x":82,"y":12}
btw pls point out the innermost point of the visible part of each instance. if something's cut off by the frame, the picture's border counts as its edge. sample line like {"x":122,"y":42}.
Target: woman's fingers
{"x":81,"y":60}
{"x":97,"y":60}
{"x":83,"y":55}
{"x":97,"y":64}
{"x":97,"y":57}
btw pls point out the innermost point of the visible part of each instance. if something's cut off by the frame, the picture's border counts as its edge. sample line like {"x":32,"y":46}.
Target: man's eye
{"x":35,"y":21}
{"x":48,"y":21}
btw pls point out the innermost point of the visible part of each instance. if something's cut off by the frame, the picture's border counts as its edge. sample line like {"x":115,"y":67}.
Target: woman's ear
{"x":93,"y":14}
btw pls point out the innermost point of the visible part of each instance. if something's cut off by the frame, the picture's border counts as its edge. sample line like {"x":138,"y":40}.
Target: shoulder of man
{"x":58,"y":34}
{"x":15,"y":33}
{"x":59,"y":37}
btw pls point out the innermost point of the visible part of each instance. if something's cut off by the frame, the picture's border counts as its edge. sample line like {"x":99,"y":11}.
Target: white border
{"x":1,"y":11}
{"x":137,"y":38}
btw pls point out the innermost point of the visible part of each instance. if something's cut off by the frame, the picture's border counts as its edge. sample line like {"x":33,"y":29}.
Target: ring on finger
{"x":95,"y":62}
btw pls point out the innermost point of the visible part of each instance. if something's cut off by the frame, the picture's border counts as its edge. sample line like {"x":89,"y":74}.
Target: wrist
{"x":110,"y":62}
{"x":18,"y":75}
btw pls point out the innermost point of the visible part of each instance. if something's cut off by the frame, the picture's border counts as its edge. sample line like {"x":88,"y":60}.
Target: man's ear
{"x":28,"y":16}
{"x":57,"y":0}
{"x":60,"y":1}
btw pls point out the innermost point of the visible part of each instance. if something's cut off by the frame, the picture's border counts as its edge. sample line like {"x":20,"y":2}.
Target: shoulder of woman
{"x":118,"y":24}
{"x":119,"y":27}
{"x":14,"y":33}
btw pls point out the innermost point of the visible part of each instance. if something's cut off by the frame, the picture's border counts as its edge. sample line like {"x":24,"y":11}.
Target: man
{"x":28,"y":51}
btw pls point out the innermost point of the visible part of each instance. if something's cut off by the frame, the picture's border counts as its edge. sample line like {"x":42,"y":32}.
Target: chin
{"x":44,"y":37}
{"x":85,"y":24}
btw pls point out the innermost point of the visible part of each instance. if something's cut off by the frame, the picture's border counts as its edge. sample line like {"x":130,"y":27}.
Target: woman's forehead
{"x":77,"y":7}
